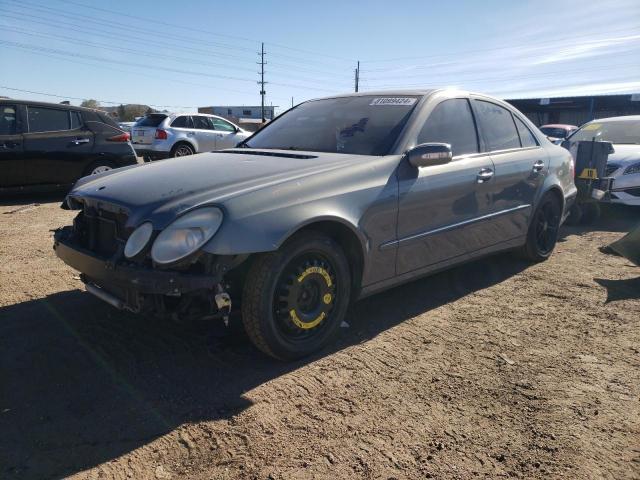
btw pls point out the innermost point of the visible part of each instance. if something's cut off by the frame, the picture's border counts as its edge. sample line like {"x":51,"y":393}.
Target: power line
{"x":80,"y":98}
{"x":163,"y":56}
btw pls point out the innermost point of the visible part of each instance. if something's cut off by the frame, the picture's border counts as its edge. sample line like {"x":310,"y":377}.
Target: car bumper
{"x":127,"y":278}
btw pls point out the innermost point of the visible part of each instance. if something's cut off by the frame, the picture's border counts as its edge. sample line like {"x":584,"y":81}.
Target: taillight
{"x":122,"y":137}
{"x":161,"y":134}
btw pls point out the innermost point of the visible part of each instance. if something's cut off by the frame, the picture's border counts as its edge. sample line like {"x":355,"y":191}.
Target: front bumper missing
{"x":128,"y":277}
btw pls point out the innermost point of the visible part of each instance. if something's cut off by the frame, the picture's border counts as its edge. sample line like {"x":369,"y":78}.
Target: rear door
{"x":225,"y":134}
{"x":11,"y":158}
{"x":205,"y":133}
{"x":438,"y":205}
{"x":520,"y":165}
{"x":57,"y":146}
{"x":144,"y":130}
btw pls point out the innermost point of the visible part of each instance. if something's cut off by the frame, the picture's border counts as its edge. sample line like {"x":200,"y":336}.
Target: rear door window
{"x":451,"y":122}
{"x":498,"y":127}
{"x":42,"y":119}
{"x":153,"y":120}
{"x":8,"y":120}
{"x":183,"y":121}
{"x":526,"y":137}
{"x":202,"y":123}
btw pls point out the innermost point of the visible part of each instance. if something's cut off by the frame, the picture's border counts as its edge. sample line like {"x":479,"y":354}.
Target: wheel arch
{"x":346,"y":235}
{"x":185,"y":142}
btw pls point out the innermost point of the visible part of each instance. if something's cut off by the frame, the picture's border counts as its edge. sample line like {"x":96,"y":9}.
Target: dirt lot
{"x":494,"y":369}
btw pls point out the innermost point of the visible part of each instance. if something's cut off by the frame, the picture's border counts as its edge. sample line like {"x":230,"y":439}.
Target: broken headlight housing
{"x":186,"y":235}
{"x":138,"y":240}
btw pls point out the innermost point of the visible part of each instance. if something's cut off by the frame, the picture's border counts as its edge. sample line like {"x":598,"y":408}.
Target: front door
{"x":225,"y":134}
{"x":56,"y":146}
{"x":441,"y":207}
{"x":205,"y":133}
{"x":11,"y":158}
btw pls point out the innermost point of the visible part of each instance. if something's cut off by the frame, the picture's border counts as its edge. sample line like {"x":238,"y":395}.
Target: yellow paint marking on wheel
{"x":589,"y":174}
{"x":307,"y":325}
{"x":327,"y":298}
{"x":318,"y":270}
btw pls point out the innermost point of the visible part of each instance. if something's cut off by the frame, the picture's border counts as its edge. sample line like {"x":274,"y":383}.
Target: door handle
{"x":484,"y":175}
{"x":80,"y":141}
{"x":190,"y":134}
{"x":539,"y":165}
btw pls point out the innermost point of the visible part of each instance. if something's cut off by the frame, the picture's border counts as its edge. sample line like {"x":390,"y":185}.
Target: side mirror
{"x":430,"y":154}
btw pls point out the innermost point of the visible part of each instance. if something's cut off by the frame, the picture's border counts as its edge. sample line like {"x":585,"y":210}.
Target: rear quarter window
{"x":183,"y":121}
{"x":150,"y":120}
{"x":526,"y":137}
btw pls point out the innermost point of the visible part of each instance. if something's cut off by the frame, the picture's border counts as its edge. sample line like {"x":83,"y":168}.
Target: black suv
{"x":48,"y":144}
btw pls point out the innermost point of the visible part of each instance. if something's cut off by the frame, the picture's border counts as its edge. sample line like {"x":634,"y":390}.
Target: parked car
{"x":334,"y":200}
{"x":48,"y":144}
{"x":126,"y":126}
{"x":557,"y":132}
{"x":160,"y":135}
{"x":624,"y":164}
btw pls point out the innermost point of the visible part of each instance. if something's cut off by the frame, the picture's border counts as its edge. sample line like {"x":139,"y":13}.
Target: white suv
{"x":160,"y":135}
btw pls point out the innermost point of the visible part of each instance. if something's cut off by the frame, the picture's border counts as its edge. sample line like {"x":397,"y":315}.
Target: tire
{"x":590,"y":213}
{"x":295,"y":299}
{"x":99,"y":166}
{"x":182,"y":150}
{"x":543,"y":230}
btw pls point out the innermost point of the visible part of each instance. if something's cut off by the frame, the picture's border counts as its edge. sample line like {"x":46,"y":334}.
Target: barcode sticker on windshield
{"x":393,"y":101}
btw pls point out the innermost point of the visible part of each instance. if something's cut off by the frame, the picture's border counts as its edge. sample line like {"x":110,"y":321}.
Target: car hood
{"x":159,"y":191}
{"x":624,"y":154}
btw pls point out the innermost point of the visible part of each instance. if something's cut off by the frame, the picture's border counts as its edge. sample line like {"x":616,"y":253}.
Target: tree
{"x":90,"y":103}
{"x":122,"y":112}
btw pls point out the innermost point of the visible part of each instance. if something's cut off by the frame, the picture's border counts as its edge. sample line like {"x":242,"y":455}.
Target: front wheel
{"x":295,"y":299}
{"x":543,"y":230}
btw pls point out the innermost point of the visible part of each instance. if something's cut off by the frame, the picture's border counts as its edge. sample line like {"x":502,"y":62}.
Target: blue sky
{"x":181,"y":55}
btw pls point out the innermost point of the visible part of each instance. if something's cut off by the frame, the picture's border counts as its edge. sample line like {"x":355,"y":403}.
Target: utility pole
{"x":291,"y":102}
{"x":357,"y":72}
{"x":262,"y":63}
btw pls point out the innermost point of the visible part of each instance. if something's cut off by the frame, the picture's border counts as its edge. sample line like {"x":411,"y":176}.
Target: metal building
{"x":577,"y":110}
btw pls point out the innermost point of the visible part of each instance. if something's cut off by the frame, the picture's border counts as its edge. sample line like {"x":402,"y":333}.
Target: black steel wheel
{"x":295,"y":299}
{"x":543,"y":230}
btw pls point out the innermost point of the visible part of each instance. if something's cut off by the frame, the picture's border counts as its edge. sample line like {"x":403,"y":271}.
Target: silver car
{"x":624,"y":164}
{"x":160,"y":135}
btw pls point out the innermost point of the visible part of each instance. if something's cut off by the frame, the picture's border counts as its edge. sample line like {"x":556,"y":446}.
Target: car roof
{"x":628,"y":118}
{"x":13,"y":101}
{"x":559,"y":125}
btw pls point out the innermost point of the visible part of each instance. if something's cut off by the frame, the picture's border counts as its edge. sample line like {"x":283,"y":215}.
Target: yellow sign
{"x":306,"y":325}
{"x":589,"y":174}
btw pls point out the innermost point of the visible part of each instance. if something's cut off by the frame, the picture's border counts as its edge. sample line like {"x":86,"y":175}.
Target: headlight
{"x":186,"y":235}
{"x":635,"y":168}
{"x":138,"y":240}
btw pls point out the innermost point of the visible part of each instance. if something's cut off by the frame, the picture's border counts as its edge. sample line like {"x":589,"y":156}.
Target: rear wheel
{"x":543,"y":230}
{"x":99,"y":166}
{"x":295,"y":299}
{"x":182,"y":150}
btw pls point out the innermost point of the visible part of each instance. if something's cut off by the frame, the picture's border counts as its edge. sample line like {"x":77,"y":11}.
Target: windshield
{"x":614,"y":131}
{"x":361,"y":125}
{"x":554,"y":132}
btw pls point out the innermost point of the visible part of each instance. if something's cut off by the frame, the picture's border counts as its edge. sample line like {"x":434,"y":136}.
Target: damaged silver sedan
{"x":336,"y":199}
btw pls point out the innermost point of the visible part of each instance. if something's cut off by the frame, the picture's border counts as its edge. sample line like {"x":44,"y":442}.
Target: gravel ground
{"x":493,"y":369}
